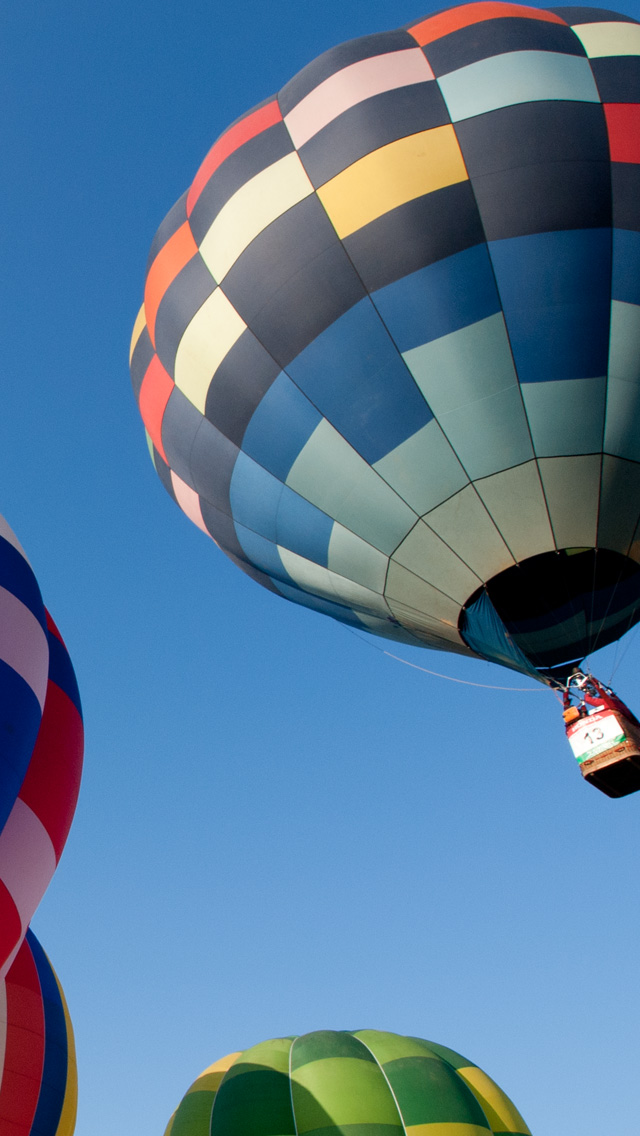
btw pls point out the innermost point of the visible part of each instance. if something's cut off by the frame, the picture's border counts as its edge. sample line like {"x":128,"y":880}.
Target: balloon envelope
{"x":388,"y":356}
{"x":38,"y":1078}
{"x":334,"y":1082}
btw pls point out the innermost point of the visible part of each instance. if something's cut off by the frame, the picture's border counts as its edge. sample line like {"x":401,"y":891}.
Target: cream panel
{"x":464,"y":524}
{"x":322,"y":582}
{"x":254,"y":206}
{"x":572,"y":489}
{"x":206,"y":341}
{"x":428,"y":557}
{"x":418,"y":604}
{"x":515,"y":500}
{"x":620,"y":504}
{"x":613,"y":38}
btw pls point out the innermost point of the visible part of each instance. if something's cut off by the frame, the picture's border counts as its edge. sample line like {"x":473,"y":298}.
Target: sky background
{"x":280,"y":828}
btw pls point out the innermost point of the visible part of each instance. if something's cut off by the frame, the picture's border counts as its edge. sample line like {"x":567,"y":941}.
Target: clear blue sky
{"x":280,"y":828}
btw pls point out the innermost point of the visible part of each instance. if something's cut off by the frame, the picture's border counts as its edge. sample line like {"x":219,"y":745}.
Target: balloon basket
{"x":615,"y":770}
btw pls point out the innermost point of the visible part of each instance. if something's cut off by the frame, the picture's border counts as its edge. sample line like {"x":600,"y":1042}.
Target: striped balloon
{"x":36,"y":829}
{"x":38,"y":1080}
{"x":388,"y":353}
{"x":365,"y":1083}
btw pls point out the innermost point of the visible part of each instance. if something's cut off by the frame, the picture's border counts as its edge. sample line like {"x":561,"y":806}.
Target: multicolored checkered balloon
{"x":389,"y":352}
{"x":363,"y":1083}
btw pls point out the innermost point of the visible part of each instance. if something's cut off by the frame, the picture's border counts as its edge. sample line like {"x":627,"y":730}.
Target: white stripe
{"x":23,"y":643}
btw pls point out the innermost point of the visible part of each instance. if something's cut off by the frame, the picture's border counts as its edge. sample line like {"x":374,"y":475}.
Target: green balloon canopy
{"x":329,"y":1083}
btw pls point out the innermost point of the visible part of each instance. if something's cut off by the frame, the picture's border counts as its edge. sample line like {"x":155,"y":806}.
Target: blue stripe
{"x":280,"y":427}
{"x":56,"y":1047}
{"x":274,"y":511}
{"x":439,"y":299}
{"x":18,"y":578}
{"x":61,"y":670}
{"x":20,"y":717}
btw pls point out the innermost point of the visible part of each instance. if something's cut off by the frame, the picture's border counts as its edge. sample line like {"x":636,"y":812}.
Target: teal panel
{"x":427,"y":556}
{"x":470,"y":383}
{"x":352,"y":557}
{"x":465,"y":525}
{"x":330,"y":474}
{"x":424,"y":470}
{"x":566,"y":416}
{"x":516,"y":503}
{"x":623,"y":394}
{"x":572,"y":489}
{"x":517,"y":77}
{"x":620,"y":504}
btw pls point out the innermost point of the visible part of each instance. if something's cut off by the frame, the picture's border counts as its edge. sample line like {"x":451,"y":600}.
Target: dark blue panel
{"x":439,"y":299}
{"x":180,"y":424}
{"x":172,"y":222}
{"x":626,"y":266}
{"x":18,"y":578}
{"x":61,"y":671}
{"x":56,"y":1060}
{"x":281,"y":425}
{"x":304,"y":529}
{"x":20,"y":717}
{"x":140,"y":359}
{"x":485,"y":39}
{"x":355,"y":376}
{"x":555,"y":290}
{"x":183,"y":298}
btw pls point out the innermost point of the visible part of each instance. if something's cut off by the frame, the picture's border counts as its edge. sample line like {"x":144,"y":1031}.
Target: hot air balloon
{"x":35,"y":832}
{"x":389,"y":351}
{"x":38,"y":1080}
{"x":333,"y":1082}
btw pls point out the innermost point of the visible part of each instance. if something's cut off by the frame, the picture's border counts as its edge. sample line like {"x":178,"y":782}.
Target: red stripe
{"x":24,"y":1057}
{"x":52,"y":781}
{"x":623,"y":124}
{"x":234,"y":138}
{"x":435,"y":27}
{"x":155,"y":392}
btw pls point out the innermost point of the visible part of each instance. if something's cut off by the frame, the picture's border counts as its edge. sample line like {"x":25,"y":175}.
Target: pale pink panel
{"x":23,"y":644}
{"x":188,"y":501}
{"x":27,"y":862}
{"x":353,"y":85}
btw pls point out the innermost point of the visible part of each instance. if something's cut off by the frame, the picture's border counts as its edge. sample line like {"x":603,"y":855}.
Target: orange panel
{"x":434,"y":27}
{"x":171,"y":259}
{"x":155,"y":391}
{"x":233,"y":139}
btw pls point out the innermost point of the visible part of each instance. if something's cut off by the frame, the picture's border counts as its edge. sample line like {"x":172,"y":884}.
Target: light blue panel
{"x":622,"y":435}
{"x":572,"y":489}
{"x":302,"y":528}
{"x":566,"y":416}
{"x":424,"y":470}
{"x":464,"y":524}
{"x":262,"y":553}
{"x":516,"y":505}
{"x":326,"y":607}
{"x":279,"y":427}
{"x":440,"y":298}
{"x":517,"y":77}
{"x":254,"y":496}
{"x":352,"y":557}
{"x":330,"y":474}
{"x":619,"y":504}
{"x":469,"y":380}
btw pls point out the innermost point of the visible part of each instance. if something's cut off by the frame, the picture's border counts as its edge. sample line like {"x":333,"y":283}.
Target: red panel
{"x":234,"y":138}
{"x":623,"y":124}
{"x":52,"y":780}
{"x":178,"y":251}
{"x":155,"y":392}
{"x":10,"y":925}
{"x":434,"y":27}
{"x":24,"y":1057}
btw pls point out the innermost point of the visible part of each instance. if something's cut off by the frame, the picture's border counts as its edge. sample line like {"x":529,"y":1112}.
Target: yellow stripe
{"x":167,"y":1131}
{"x":67,"y":1122}
{"x":138,"y":328}
{"x":211,"y":1077}
{"x":208,"y":338}
{"x":441,"y":1129}
{"x":501,"y":1113}
{"x":613,"y":38}
{"x":392,"y":175}
{"x":254,"y":206}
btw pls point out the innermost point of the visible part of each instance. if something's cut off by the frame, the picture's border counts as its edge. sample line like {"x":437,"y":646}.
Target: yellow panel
{"x":254,"y":206}
{"x":614,"y":38}
{"x":138,"y":328}
{"x":67,"y":1121}
{"x":442,"y":1129}
{"x":501,"y":1113}
{"x":211,"y":1077}
{"x":388,"y":177}
{"x":208,"y":338}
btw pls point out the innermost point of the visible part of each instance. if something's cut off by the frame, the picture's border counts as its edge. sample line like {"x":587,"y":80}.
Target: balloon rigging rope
{"x":450,"y":678}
